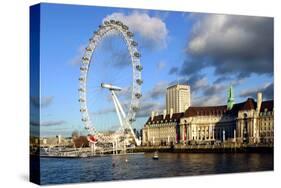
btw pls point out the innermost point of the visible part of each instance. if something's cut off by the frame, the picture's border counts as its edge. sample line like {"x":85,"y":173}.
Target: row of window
{"x":265,"y":119}
{"x":161,"y":138}
{"x":155,"y":124}
{"x":266,"y":113}
{"x":212,"y":129}
{"x":202,"y":138}
{"x":217,"y":134}
{"x":264,"y":134}
{"x":266,"y":128}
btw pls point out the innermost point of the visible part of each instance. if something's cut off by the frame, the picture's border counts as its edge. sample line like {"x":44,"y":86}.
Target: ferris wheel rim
{"x":105,"y":28}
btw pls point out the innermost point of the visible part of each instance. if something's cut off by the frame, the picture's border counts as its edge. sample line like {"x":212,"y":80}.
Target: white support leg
{"x":117,"y":109}
{"x":125,"y":123}
{"x":118,"y":104}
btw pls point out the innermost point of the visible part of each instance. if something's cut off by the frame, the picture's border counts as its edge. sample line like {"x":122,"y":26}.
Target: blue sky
{"x":207,"y":51}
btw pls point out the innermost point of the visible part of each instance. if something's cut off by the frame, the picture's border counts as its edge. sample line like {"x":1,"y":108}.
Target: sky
{"x":209,"y":52}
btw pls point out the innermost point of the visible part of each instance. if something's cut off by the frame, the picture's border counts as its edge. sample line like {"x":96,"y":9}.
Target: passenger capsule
{"x":139,"y":81}
{"x":81,"y":100}
{"x":81,"y":79}
{"x":139,"y":67}
{"x":85,"y":58}
{"x":136,"y":54}
{"x":138,"y":95}
{"x":125,"y":27}
{"x":92,"y":40}
{"x":83,"y":68}
{"x":135,"y":108}
{"x":89,"y":49}
{"x":119,"y":23}
{"x":130,"y":34}
{"x":134,"y":43}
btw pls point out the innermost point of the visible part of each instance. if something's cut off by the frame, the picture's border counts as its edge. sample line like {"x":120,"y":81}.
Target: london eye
{"x":125,"y":109}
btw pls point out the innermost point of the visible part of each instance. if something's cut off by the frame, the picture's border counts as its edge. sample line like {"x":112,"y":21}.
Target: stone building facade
{"x":249,"y":122}
{"x":161,"y":129}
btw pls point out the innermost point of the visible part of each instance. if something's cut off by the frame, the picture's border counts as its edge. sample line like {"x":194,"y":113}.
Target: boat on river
{"x":155,"y":156}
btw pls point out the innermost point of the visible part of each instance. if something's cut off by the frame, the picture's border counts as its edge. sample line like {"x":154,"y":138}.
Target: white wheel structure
{"x":125,"y":118}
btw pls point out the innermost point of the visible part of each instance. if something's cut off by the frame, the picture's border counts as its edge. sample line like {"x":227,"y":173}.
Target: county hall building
{"x":248,"y":122}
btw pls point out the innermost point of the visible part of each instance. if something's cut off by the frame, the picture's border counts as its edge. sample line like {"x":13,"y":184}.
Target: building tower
{"x":230,"y":98}
{"x":259,"y":101}
{"x":177,"y":98}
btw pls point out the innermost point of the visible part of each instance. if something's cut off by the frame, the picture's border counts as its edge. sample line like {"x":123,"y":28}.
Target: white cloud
{"x":161,"y":65}
{"x":200,"y":83}
{"x":239,"y":45}
{"x":152,"y":29}
{"x":212,"y":100}
{"x":266,"y":89}
{"x":158,"y":91}
{"x":214,"y":30}
{"x":153,"y":32}
{"x":146,"y":107}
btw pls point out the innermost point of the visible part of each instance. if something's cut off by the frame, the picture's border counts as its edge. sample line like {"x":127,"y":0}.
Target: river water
{"x":139,"y":166}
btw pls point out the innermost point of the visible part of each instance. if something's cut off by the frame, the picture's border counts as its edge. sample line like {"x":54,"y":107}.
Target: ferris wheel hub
{"x":110,"y":87}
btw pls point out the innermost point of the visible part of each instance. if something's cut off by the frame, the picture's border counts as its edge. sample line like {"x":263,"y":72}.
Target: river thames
{"x":140,"y":166}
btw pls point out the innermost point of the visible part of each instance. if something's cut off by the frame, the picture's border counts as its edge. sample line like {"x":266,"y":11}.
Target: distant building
{"x":44,"y":141}
{"x":54,"y":141}
{"x":59,"y":138}
{"x":248,"y":122}
{"x":177,"y":98}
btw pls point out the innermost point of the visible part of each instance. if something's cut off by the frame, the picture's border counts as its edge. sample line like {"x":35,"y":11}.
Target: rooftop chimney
{"x":156,"y":113}
{"x":164,"y":113}
{"x":171,"y":112}
{"x":152,"y":115}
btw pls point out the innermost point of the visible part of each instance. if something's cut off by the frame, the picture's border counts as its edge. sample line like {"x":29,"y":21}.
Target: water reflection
{"x":138,"y":166}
